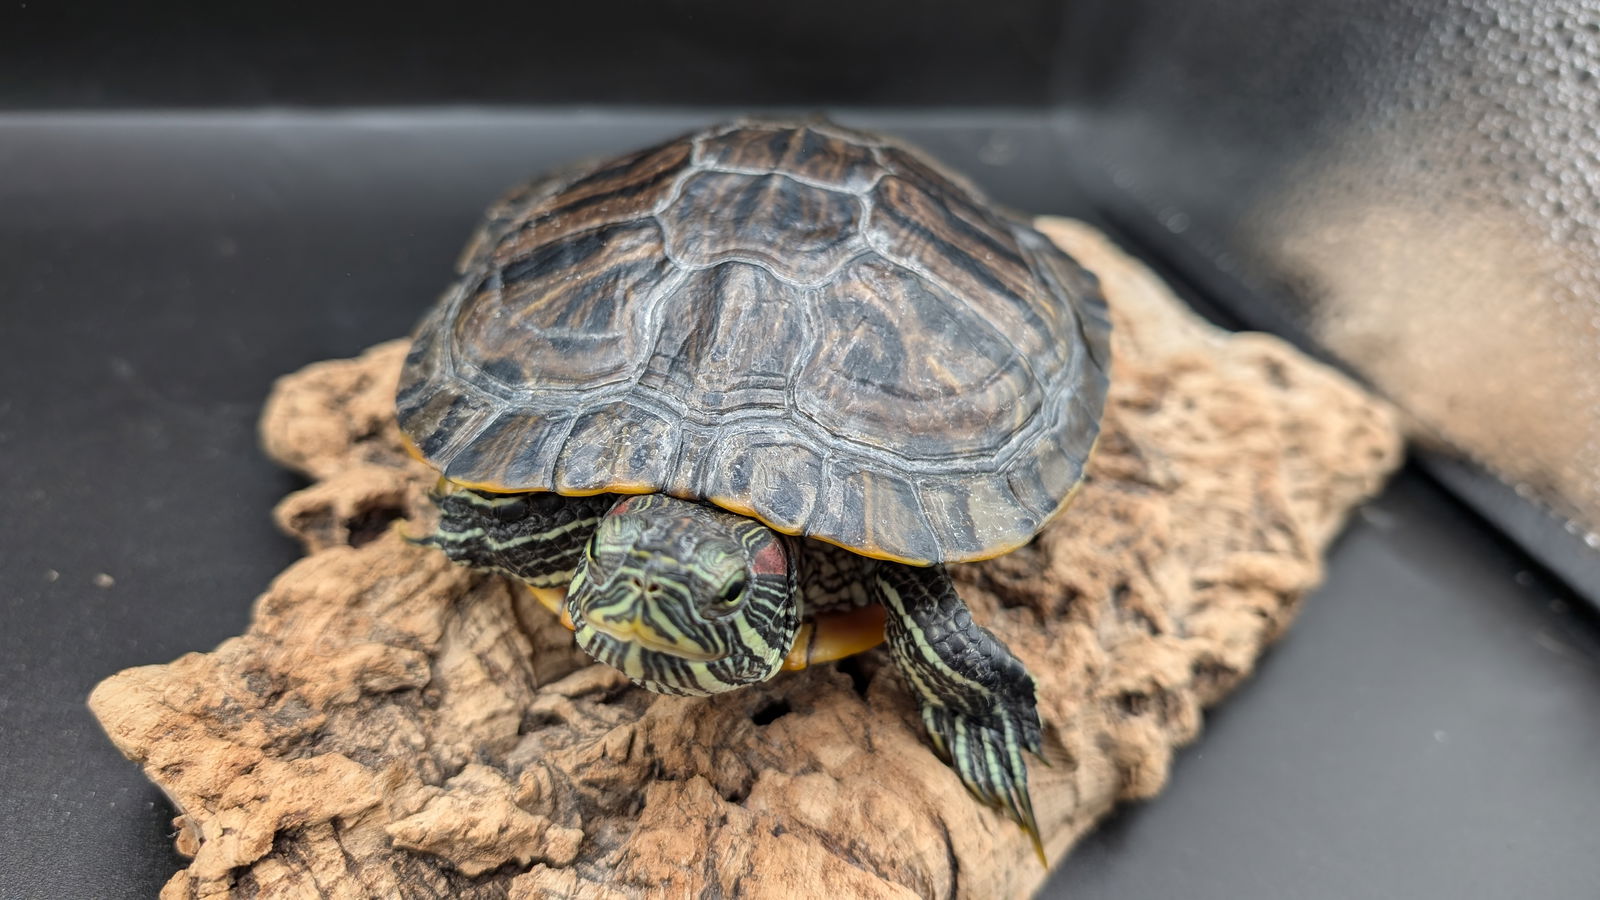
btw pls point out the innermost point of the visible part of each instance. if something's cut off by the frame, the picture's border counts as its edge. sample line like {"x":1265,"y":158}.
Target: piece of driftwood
{"x":393,"y":726}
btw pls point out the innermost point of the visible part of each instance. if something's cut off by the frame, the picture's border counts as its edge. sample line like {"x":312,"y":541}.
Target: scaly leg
{"x":977,"y":699}
{"x":536,"y":538}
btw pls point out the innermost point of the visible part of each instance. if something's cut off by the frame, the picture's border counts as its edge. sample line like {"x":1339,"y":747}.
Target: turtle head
{"x":684,"y":598}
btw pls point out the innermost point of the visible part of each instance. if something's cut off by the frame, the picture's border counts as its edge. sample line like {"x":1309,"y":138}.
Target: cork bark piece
{"x":391,"y":725}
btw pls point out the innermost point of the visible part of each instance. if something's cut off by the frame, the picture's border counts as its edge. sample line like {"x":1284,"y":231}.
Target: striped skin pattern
{"x":689,"y":599}
{"x":977,"y":699}
{"x":812,"y":326}
{"x":535,"y":538}
{"x":684,"y":598}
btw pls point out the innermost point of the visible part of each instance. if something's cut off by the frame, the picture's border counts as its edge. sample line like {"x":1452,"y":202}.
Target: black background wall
{"x":713,"y":53}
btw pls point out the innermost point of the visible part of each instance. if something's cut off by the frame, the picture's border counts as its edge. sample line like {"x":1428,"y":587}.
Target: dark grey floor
{"x":1427,"y":730}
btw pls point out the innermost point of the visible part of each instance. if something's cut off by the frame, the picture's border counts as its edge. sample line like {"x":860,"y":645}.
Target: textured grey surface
{"x":1413,"y":186}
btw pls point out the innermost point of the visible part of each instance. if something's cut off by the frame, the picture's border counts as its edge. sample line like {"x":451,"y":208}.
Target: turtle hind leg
{"x":977,"y":699}
{"x":537,"y":538}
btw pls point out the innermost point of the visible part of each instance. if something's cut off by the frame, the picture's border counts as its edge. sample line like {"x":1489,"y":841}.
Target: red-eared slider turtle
{"x":747,"y":387}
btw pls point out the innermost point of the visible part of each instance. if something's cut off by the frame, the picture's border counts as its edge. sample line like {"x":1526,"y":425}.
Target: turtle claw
{"x":988,"y":759}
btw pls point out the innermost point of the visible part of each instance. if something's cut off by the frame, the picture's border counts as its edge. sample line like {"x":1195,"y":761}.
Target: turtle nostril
{"x":645,"y":589}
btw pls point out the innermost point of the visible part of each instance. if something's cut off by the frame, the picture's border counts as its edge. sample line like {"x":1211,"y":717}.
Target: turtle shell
{"x":813,"y":326}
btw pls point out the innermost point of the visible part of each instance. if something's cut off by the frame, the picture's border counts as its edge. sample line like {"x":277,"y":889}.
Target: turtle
{"x":732,"y":403}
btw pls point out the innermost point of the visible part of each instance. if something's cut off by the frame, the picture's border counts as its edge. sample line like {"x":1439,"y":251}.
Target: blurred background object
{"x":1411,"y":187}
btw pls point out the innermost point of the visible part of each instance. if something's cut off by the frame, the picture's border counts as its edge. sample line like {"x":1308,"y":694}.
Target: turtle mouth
{"x":637,"y":633}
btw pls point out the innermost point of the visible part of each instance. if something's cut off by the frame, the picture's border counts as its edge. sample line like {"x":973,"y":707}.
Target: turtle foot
{"x":977,"y":698}
{"x":987,"y":755}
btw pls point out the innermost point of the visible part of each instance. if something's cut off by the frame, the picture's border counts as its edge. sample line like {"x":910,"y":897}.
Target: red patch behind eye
{"x":770,"y":560}
{"x":622,"y":505}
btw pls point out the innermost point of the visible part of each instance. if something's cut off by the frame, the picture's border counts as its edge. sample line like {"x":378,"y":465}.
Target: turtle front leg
{"x":977,"y":698}
{"x":536,"y":538}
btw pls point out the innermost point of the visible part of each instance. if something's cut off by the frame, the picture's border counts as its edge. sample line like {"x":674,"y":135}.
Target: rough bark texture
{"x":392,"y":725}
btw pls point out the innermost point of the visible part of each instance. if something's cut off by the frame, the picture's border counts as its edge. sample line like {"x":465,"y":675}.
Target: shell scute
{"x":902,"y":364}
{"x":566,"y":314}
{"x":974,"y":257}
{"x":806,"y":153}
{"x":730,"y":337}
{"x":617,"y":446}
{"x":893,"y":522}
{"x":777,"y":473}
{"x":933,"y":178}
{"x":816,"y":327}
{"x":513,"y":449}
{"x":798,"y":232}
{"x":625,"y":191}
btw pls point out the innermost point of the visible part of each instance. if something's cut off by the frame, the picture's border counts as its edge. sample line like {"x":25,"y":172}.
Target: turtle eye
{"x":732,"y":595}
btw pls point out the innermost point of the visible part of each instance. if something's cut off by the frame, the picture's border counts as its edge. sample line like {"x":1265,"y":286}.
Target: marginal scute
{"x":777,"y":473}
{"x":980,"y":518}
{"x":1063,"y":277}
{"x":933,"y":178}
{"x":424,"y":367}
{"x":1045,"y":475}
{"x":517,"y":451}
{"x":442,"y":421}
{"x":1028,"y":492}
{"x":814,"y":326}
{"x":696,"y":450}
{"x":616,"y":446}
{"x":833,"y":520}
{"x":504,"y":215}
{"x":894,"y":524}
{"x":1066,"y":277}
{"x":1075,"y":434}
